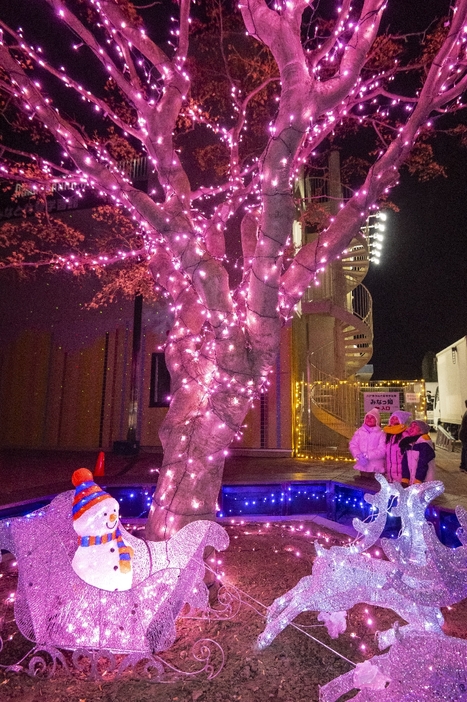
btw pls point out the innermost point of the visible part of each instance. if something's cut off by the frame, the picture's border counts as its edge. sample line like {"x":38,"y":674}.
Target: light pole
{"x":131,"y":445}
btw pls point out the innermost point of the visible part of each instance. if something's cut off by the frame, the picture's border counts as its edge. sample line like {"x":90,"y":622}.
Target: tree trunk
{"x":199,"y":427}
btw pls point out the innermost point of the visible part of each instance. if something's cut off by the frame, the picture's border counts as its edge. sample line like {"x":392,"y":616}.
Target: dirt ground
{"x":262,"y":562}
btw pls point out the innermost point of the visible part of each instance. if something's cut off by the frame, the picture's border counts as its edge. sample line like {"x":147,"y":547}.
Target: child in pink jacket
{"x":395,"y":431}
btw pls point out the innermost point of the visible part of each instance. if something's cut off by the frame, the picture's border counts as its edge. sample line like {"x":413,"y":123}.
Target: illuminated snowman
{"x":102,"y":558}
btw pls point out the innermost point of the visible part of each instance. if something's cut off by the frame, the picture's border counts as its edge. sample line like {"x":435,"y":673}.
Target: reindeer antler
{"x":371,"y":531}
{"x":411,"y":547}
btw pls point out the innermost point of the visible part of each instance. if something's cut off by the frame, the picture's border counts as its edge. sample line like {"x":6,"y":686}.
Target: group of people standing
{"x":402,"y":450}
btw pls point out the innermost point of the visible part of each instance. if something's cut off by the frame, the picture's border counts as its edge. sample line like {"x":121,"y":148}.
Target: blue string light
{"x":333,"y":501}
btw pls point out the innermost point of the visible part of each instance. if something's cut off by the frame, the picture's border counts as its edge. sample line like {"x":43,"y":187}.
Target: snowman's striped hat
{"x":87,"y":492}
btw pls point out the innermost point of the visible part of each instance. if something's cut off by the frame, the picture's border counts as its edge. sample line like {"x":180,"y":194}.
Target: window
{"x":160,"y":382}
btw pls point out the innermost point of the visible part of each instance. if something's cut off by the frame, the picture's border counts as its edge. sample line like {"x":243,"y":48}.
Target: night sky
{"x":419,"y":289}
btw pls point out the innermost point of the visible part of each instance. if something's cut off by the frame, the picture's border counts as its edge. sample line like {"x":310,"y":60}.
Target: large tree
{"x":268,"y":102}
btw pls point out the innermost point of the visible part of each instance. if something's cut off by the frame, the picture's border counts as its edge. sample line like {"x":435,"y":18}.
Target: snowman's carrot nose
{"x":113,"y":517}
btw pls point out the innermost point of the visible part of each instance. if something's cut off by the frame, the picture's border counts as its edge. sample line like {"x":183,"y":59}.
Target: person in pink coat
{"x":394,"y":432}
{"x":368,"y":445}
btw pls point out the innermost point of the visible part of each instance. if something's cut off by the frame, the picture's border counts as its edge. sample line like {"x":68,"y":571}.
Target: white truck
{"x":452,"y":384}
{"x":432,"y":404}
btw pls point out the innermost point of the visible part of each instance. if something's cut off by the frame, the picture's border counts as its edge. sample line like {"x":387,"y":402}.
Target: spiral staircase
{"x":355,"y":315}
{"x":328,"y":403}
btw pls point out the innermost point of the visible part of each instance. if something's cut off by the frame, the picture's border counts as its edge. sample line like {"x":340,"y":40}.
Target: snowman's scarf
{"x":124,"y":552}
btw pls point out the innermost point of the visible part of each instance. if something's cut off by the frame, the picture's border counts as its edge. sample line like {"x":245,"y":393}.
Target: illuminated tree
{"x":305,"y":77}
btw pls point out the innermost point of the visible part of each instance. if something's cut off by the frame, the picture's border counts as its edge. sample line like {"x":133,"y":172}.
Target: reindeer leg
{"x":281,"y":603}
{"x":419,"y":619}
{"x":283,"y":619}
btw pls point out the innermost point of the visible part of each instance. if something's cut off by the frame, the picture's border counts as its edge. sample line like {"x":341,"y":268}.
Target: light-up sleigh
{"x":56,"y":609}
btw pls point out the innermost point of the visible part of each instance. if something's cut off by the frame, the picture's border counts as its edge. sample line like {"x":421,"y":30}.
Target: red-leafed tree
{"x":267,"y":101}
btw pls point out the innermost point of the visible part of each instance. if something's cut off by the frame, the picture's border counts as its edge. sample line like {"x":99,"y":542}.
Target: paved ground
{"x":30,"y":474}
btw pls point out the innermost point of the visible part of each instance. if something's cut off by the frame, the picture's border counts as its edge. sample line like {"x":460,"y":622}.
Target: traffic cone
{"x":99,"y":469}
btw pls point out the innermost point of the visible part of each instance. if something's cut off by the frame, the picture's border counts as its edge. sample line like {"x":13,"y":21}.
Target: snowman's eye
{"x":105,"y":514}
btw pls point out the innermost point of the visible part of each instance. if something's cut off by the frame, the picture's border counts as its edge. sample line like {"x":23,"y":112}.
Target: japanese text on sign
{"x":384,"y":401}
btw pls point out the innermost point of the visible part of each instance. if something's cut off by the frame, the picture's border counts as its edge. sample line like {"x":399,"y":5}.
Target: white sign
{"x":384,"y":401}
{"x":412,"y":398}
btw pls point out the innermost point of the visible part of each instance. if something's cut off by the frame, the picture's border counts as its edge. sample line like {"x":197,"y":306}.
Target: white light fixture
{"x":373,"y":232}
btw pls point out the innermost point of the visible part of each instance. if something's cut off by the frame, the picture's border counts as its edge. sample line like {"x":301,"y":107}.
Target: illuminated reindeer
{"x":420,"y":665}
{"x":345,"y":575}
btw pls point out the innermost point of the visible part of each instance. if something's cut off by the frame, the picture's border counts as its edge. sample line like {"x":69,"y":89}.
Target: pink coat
{"x":394,"y":458}
{"x":371,"y":442}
